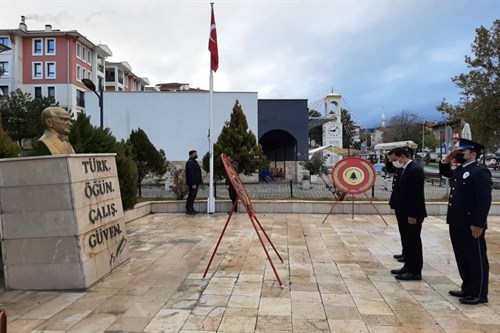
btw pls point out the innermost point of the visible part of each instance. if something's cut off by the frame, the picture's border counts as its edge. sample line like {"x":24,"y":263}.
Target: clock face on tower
{"x":333,"y":130}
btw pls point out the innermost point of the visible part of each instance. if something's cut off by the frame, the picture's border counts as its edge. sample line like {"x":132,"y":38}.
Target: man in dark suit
{"x":393,"y":166}
{"x":468,"y":207}
{"x":409,"y":206}
{"x":193,"y":181}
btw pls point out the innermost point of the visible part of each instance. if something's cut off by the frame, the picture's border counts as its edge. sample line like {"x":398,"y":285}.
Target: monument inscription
{"x":69,"y":232}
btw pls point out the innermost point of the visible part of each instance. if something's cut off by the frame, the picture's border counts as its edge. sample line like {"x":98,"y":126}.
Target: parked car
{"x":492,"y":164}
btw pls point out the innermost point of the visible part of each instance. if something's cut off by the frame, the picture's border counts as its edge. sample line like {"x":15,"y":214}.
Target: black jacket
{"x":193,"y":173}
{"x":470,"y":195}
{"x":409,"y":197}
{"x":395,"y":187}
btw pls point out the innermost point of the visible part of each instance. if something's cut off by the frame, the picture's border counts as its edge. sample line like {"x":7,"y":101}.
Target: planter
{"x":306,"y":184}
{"x":314,"y":179}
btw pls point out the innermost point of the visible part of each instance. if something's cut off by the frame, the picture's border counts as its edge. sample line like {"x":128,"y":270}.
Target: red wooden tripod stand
{"x":242,"y":194}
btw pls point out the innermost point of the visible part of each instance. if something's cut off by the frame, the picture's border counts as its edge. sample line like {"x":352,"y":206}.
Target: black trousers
{"x":401,"y":224}
{"x":412,"y":243}
{"x":472,"y":261}
{"x":190,"y":199}
{"x":233,"y":196}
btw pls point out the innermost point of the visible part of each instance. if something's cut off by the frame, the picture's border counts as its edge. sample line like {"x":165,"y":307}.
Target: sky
{"x":381,"y":56}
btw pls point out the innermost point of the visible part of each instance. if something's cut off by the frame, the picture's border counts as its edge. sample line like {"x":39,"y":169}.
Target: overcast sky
{"x":379,"y":55}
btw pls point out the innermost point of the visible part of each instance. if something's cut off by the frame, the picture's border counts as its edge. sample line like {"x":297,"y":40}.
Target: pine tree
{"x":149,"y":160}
{"x":8,"y":148}
{"x":21,"y":115}
{"x":239,"y":143}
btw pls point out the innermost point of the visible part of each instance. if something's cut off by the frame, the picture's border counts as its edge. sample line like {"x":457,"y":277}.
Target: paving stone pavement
{"x":336,"y":279}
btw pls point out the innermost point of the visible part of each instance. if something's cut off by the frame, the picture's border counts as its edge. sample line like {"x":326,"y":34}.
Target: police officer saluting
{"x":468,"y":207}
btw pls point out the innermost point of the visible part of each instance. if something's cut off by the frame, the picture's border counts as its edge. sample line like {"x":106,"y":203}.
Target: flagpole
{"x":211,"y":198}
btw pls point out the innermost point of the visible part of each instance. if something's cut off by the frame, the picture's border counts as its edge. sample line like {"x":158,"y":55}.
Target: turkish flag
{"x":212,"y":44}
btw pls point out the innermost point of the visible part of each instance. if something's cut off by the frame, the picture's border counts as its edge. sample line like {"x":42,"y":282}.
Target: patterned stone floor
{"x":336,"y":278}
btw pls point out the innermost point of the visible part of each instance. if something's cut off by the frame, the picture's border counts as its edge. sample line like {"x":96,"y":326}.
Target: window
{"x":5,"y":41}
{"x":37,"y":47}
{"x":38,"y":92}
{"x":4,"y":68}
{"x":4,"y":91}
{"x":78,"y":73}
{"x":50,"y":46}
{"x":37,"y":70}
{"x":80,"y":98}
{"x":78,"y":50}
{"x":51,"y":92}
{"x":50,"y":70}
{"x":89,"y":56}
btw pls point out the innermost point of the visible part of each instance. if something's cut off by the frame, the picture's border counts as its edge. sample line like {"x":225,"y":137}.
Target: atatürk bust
{"x":57,"y":123}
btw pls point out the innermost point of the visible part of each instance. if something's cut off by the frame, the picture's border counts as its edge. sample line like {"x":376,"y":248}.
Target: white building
{"x":174,"y":121}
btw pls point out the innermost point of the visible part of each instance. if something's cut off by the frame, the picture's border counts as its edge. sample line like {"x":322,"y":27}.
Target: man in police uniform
{"x":468,"y":207}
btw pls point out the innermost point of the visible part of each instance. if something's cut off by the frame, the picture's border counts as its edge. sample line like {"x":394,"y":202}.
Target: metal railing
{"x":323,"y":189}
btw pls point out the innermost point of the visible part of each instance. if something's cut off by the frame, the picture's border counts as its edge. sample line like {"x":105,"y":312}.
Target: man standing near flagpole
{"x":214,"y":65}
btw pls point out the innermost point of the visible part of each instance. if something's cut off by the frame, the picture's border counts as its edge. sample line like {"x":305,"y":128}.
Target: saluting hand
{"x":451,"y":156}
{"x":476,"y":231}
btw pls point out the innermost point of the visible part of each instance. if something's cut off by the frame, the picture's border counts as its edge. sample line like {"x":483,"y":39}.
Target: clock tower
{"x":332,"y":130}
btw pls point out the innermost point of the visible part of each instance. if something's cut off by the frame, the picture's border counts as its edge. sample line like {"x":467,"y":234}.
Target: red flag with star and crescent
{"x":212,"y":44}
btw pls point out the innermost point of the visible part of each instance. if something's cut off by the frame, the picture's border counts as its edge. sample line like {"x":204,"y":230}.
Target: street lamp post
{"x":423,"y":136}
{"x":89,"y":84}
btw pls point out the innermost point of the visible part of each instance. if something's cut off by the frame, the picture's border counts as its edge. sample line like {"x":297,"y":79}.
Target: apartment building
{"x":53,"y":63}
{"x":119,"y":77}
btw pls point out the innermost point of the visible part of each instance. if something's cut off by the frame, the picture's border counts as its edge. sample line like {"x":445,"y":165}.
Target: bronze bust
{"x":57,"y":123}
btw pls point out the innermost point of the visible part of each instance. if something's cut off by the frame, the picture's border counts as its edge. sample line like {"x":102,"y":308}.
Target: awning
{"x":391,"y":145}
{"x":335,"y":150}
{"x":318,"y":121}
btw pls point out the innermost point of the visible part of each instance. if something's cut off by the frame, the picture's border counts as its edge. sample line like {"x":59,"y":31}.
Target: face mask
{"x":459,"y":157}
{"x":398,"y":164}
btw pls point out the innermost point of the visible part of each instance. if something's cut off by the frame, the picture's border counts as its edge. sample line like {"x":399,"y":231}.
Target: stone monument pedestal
{"x":61,"y":220}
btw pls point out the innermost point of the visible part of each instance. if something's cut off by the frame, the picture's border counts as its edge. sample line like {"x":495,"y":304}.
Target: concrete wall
{"x":174,"y":121}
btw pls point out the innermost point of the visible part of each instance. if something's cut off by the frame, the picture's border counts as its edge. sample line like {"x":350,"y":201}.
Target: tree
{"x":315,"y":164}
{"x":149,"y":160}
{"x":8,"y":148}
{"x":239,"y":143}
{"x":403,"y":127}
{"x":348,"y":130}
{"x":178,"y":185}
{"x":480,"y":89}
{"x":430,"y":140}
{"x":366,"y":137}
{"x":21,"y":115}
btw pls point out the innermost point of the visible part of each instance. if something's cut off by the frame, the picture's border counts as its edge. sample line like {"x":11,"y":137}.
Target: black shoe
{"x":409,"y":277}
{"x":457,"y":293}
{"x":196,"y":212}
{"x":190,"y":213}
{"x":402,"y":259}
{"x":399,"y":271}
{"x":398,"y":256}
{"x":473,"y":300}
